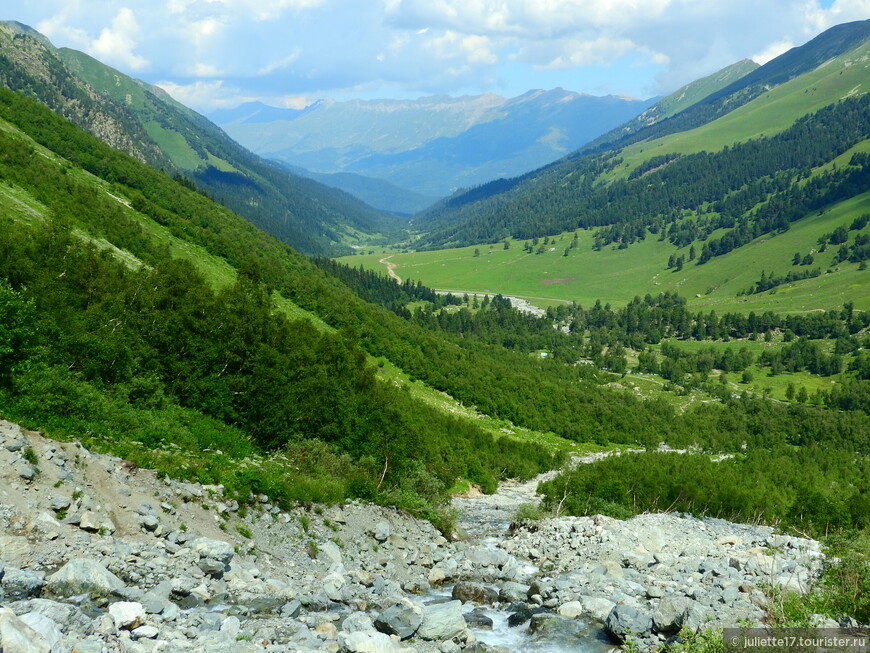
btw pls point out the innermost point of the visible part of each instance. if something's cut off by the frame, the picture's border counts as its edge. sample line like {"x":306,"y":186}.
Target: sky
{"x":220,"y":53}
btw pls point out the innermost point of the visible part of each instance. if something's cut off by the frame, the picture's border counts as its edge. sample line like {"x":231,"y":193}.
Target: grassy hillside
{"x":766,"y":115}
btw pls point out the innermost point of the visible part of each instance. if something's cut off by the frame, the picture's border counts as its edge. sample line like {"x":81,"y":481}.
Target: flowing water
{"x":485,"y":521}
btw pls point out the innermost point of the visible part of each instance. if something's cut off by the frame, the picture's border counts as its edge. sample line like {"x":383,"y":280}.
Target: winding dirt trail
{"x":391,"y":268}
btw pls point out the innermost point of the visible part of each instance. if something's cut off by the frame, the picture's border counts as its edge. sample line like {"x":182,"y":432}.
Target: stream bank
{"x":98,"y":556}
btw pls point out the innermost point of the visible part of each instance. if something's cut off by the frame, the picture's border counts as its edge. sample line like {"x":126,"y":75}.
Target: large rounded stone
{"x":624,"y":621}
{"x":466,"y":592}
{"x":83,"y":576}
{"x":443,"y":621}
{"x":214,"y":549}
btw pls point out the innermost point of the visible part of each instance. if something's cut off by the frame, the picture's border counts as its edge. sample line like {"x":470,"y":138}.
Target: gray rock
{"x":27,"y":472}
{"x":17,"y":637}
{"x":356,"y":622}
{"x":367,"y":642}
{"x":94,"y":522}
{"x":215,"y":549}
{"x":443,"y":621}
{"x":511,"y":592}
{"x":625,"y":621}
{"x":150,"y":522}
{"x":597,"y":607}
{"x":571,"y":609}
{"x":382,"y":531}
{"x":127,"y":614}
{"x":291,"y":609}
{"x":21,"y":583}
{"x":398,"y":620}
{"x":333,"y":585}
{"x":145,"y":632}
{"x":478,"y":619}
{"x":212,"y":567}
{"x":83,"y":576}
{"x":329,"y":553}
{"x":668,"y":616}
{"x":60,"y":503}
{"x":466,"y":592}
{"x":46,"y":627}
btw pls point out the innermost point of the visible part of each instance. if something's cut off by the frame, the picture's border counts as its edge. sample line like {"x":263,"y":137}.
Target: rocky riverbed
{"x":98,"y":556}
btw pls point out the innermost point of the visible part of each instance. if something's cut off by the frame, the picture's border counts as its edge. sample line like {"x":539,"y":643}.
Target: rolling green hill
{"x":145,"y":122}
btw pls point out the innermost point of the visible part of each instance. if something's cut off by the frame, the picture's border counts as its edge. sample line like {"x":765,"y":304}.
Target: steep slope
{"x":432,"y":145}
{"x":683,"y":98}
{"x":147,"y":123}
{"x":664,"y":178}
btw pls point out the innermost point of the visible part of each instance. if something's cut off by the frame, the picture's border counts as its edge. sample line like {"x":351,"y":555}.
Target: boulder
{"x":442,"y":621}
{"x":21,"y":583}
{"x":46,"y":627}
{"x":624,"y":621}
{"x":398,"y":620}
{"x":127,"y":614}
{"x":478,"y":619}
{"x":466,"y":592}
{"x":83,"y":576}
{"x":571,"y":609}
{"x":511,"y":592}
{"x":367,"y":642}
{"x":214,"y":549}
{"x":668,"y":616}
{"x":17,"y":637}
{"x":382,"y":531}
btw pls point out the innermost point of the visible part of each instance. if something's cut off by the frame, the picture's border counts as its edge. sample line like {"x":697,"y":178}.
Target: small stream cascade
{"x":485,"y":522}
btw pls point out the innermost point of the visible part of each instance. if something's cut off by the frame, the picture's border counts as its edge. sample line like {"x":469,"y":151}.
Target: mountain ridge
{"x":438,"y":143}
{"x":146,"y":122}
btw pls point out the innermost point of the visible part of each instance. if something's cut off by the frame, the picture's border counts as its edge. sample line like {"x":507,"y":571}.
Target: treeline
{"x":814,"y":488}
{"x":651,"y":319}
{"x":769,"y":282}
{"x":377,"y":289}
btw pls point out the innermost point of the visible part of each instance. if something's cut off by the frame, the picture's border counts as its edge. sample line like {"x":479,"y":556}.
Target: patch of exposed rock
{"x":96,"y":555}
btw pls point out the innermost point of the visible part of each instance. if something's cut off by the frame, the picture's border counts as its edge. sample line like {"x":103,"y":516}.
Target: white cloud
{"x":772,"y":51}
{"x":279,"y":64}
{"x":333,"y":48}
{"x":116,"y":43}
{"x":205,"y":95}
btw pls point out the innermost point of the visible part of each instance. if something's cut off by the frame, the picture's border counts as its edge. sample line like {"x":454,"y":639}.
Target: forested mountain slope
{"x":145,"y":122}
{"x":712,"y":166}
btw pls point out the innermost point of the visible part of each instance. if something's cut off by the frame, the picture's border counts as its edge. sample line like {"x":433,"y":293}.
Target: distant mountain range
{"x":434,"y":145}
{"x":746,"y":141}
{"x":148,"y":124}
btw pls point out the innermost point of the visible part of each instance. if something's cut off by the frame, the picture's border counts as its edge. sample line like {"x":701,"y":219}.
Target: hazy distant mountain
{"x":378,"y":193}
{"x":432,"y":145}
{"x":691,"y":170}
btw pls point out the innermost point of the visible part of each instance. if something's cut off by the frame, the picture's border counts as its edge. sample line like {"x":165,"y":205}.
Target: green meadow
{"x":618,"y":275}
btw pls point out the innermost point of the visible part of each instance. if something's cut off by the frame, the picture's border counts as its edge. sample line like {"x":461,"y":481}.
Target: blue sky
{"x":218,"y":53}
